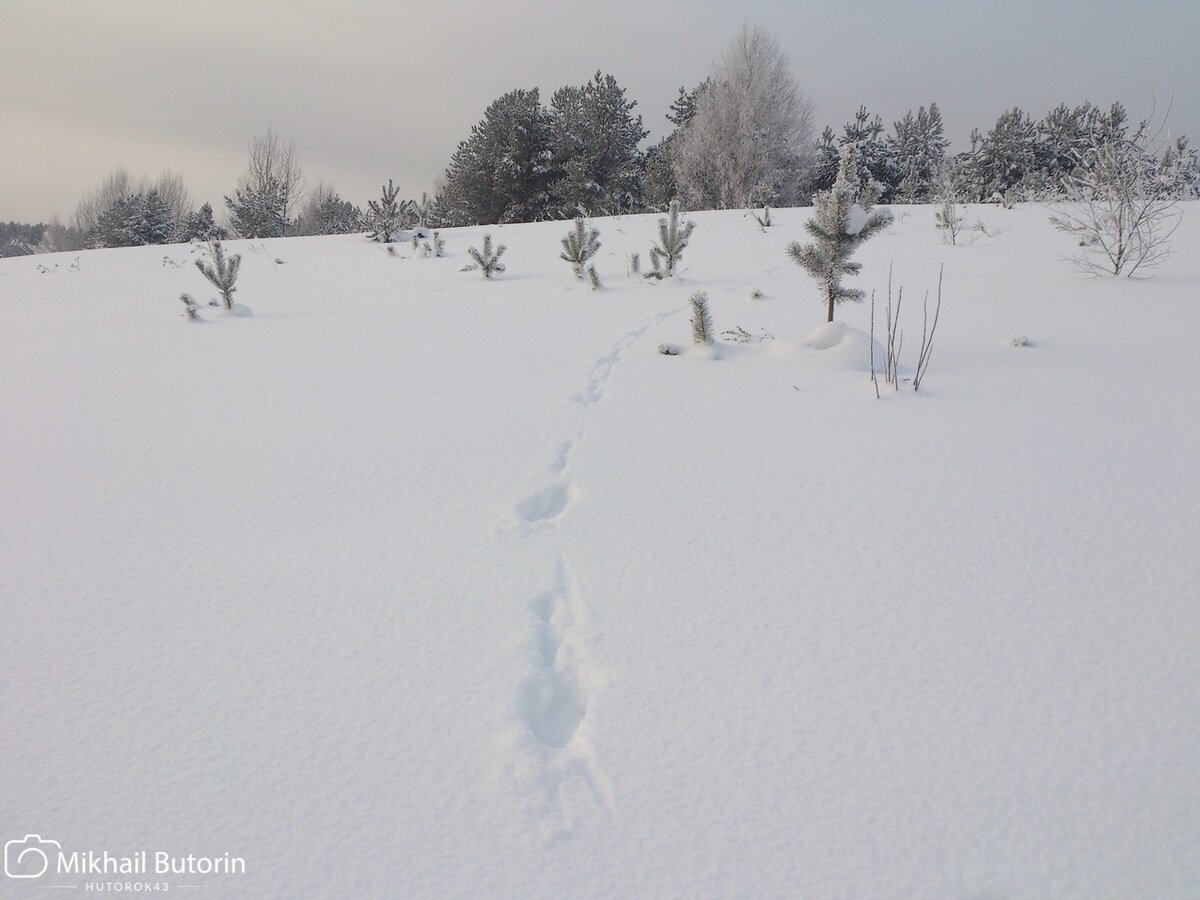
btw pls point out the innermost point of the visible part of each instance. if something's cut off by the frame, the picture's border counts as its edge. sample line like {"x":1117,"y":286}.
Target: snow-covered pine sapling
{"x":191,"y":310}
{"x":435,"y":246}
{"x":223,"y":271}
{"x":579,"y":246}
{"x":762,"y":218}
{"x":843,"y":220}
{"x":672,"y":240}
{"x":486,"y":259}
{"x":416,"y":242}
{"x":385,"y":216}
{"x":635,"y":263}
{"x":702,"y":326}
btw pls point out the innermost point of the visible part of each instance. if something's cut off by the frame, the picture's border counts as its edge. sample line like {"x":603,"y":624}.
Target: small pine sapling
{"x":385,"y":215}
{"x":762,"y":218}
{"x":435,"y":246}
{"x":635,"y":263}
{"x":223,"y":271}
{"x":486,"y":259}
{"x":191,"y":310}
{"x":672,"y":240}
{"x":593,"y":278}
{"x":702,"y":325}
{"x":843,"y":221}
{"x":579,"y":246}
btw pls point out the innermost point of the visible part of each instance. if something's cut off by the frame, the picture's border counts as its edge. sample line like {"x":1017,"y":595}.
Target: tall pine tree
{"x":501,"y":172}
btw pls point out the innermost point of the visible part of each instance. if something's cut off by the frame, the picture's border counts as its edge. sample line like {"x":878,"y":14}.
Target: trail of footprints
{"x":554,"y":699}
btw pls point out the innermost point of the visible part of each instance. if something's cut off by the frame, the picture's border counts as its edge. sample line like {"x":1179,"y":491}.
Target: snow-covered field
{"x":420,"y":585}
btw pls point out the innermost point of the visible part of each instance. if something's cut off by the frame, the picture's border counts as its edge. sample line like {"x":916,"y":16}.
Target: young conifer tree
{"x":222,"y":273}
{"x":672,"y":240}
{"x":702,"y":325}
{"x":579,"y":246}
{"x":843,"y":221}
{"x":487,"y":260}
{"x":386,"y":215}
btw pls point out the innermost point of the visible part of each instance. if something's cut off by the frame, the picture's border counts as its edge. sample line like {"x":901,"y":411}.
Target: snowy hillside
{"x":420,"y":585}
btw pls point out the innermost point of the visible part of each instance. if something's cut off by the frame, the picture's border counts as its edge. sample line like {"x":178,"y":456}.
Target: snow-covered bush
{"x":1120,"y":206}
{"x":672,"y":241}
{"x":487,"y":260}
{"x":843,"y":221}
{"x":950,"y":218}
{"x":222,"y":272}
{"x":702,"y":325}
{"x":579,"y":246}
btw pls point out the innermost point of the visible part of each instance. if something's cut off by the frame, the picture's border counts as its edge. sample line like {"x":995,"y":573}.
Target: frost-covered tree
{"x":133,"y":221}
{"x":702,"y":324}
{"x":486,"y":259}
{"x":751,"y":131}
{"x":918,"y":144}
{"x":843,"y":220}
{"x":875,"y":158}
{"x":1007,"y":154}
{"x":501,"y":173}
{"x":578,"y":247}
{"x":20,"y":239}
{"x":1119,"y":204}
{"x":222,"y":272}
{"x":122,"y":212}
{"x":673,"y":236}
{"x":594,"y":138}
{"x":659,"y":185}
{"x":200,"y":226}
{"x":325,"y":212}
{"x":267,"y":195}
{"x":386,"y":216}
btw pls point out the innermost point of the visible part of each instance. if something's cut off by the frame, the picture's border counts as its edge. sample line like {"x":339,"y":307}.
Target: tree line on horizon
{"x":743,"y":138}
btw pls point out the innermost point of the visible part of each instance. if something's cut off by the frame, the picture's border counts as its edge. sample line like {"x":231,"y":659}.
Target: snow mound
{"x":238,"y":311}
{"x":843,"y":346}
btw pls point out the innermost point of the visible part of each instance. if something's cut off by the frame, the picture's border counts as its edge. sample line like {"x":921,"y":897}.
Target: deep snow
{"x":420,"y":585}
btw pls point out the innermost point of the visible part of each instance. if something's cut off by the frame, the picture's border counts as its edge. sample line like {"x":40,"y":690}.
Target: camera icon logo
{"x":28,"y":857}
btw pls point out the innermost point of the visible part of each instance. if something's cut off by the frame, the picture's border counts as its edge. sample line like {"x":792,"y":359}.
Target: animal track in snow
{"x":562,"y":456}
{"x":554,"y":699}
{"x":545,"y":505}
{"x":602,"y":368}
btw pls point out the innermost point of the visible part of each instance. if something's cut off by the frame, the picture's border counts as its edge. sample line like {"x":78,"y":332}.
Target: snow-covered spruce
{"x":702,"y":325}
{"x":672,"y":241}
{"x":843,"y":221}
{"x":222,"y":272}
{"x":487,"y":260}
{"x":579,"y":246}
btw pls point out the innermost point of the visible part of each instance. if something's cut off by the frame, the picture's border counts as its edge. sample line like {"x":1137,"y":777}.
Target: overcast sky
{"x":370,"y":90}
